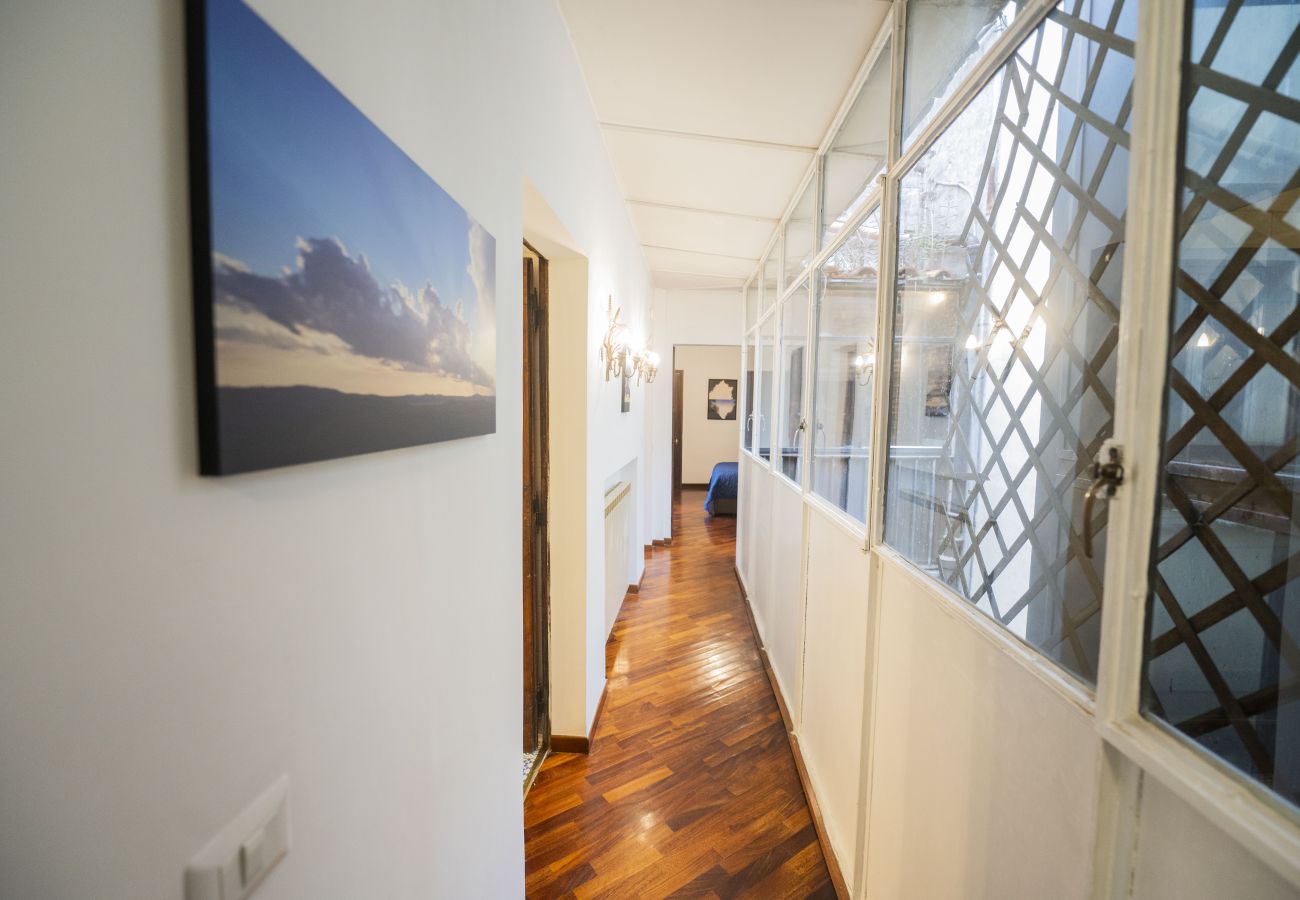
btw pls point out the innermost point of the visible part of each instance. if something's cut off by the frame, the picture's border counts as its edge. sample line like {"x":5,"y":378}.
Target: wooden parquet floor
{"x":690,"y":789}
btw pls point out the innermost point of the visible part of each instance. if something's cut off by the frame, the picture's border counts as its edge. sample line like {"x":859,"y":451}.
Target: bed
{"x":723,"y":484}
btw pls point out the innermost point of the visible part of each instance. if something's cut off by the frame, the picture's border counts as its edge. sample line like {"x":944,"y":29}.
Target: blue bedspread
{"x":723,"y":484}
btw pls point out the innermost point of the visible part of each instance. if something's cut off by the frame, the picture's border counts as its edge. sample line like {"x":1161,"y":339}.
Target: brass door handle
{"x":1106,"y":478}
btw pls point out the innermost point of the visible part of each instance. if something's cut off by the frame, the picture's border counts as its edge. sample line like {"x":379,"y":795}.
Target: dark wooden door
{"x":537,"y":726}
{"x":677,"y":432}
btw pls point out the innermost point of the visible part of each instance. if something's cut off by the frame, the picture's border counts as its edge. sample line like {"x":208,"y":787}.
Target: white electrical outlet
{"x":236,"y":861}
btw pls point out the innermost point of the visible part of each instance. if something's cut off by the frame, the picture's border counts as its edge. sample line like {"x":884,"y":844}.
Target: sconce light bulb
{"x":972,"y":343}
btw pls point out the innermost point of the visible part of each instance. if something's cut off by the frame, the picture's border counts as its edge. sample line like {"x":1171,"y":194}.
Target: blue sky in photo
{"x":292,"y":157}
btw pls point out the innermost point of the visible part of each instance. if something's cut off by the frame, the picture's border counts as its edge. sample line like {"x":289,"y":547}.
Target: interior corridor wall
{"x":169,"y":644}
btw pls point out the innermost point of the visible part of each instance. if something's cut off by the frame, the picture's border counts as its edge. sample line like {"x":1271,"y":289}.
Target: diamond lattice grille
{"x":1223,"y":654}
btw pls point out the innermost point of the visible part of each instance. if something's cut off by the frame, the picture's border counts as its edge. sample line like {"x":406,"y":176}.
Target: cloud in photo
{"x":333,"y":304}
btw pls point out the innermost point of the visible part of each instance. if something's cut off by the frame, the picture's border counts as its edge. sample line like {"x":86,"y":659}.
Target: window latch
{"x":1107,"y":476}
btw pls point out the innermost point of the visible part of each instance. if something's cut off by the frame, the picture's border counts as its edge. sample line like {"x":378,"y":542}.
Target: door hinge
{"x":539,"y":513}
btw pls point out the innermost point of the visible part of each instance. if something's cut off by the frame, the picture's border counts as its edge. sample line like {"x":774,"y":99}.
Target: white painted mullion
{"x":881,"y":383}
{"x":1147,"y":291}
{"x":878,"y":444}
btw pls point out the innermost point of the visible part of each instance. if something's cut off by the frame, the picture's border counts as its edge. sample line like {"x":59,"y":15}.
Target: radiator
{"x":618,"y":521}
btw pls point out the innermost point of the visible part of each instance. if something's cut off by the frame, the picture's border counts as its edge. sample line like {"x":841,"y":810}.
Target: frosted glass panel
{"x":857,"y":154}
{"x":945,"y":40}
{"x":801,"y":234}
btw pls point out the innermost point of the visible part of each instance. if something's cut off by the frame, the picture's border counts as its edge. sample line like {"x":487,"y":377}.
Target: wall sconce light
{"x":613,"y":351}
{"x":864,"y":364}
{"x":620,"y":357}
{"x":649,"y":367}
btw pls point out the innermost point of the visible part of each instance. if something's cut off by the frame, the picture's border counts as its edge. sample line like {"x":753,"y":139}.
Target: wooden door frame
{"x":534,"y":500}
{"x":678,"y":379}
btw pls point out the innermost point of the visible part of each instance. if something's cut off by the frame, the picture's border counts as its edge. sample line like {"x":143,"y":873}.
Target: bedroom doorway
{"x":677,"y":433}
{"x":536,"y":562}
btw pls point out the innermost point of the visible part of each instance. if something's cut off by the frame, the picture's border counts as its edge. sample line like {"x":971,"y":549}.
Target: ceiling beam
{"x":737,"y":278}
{"x":750,"y":259}
{"x":715,"y":138}
{"x":771,"y":220}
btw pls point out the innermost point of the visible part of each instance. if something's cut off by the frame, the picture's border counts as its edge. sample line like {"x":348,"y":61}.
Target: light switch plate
{"x":236,"y":861}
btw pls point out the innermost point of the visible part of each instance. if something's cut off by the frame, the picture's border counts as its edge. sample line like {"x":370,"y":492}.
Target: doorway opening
{"x":536,"y":568}
{"x":677,"y":434}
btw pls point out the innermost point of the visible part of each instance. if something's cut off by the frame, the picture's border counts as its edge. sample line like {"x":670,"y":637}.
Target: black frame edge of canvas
{"x":196,"y":85}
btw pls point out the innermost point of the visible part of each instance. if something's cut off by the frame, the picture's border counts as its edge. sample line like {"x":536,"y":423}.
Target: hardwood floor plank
{"x":690,"y":789}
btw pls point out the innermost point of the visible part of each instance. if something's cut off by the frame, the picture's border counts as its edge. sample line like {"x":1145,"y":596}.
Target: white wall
{"x":680,"y":317}
{"x":984,"y":779}
{"x":169,"y":645}
{"x":1181,"y":856}
{"x":706,"y":442}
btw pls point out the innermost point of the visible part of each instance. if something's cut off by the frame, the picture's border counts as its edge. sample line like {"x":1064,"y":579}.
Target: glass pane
{"x":1223,"y":647}
{"x":747,"y":395}
{"x":1011,"y":246}
{"x":945,"y":40}
{"x":794,"y":344}
{"x":801,"y":234}
{"x":846,"y":365}
{"x":857,"y":155}
{"x":751,"y":304}
{"x":766,"y":339}
{"x":771,"y":290}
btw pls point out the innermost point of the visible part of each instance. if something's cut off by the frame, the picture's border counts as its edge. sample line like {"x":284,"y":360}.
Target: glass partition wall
{"x":967,"y":275}
{"x":793,"y":354}
{"x":845,"y":368}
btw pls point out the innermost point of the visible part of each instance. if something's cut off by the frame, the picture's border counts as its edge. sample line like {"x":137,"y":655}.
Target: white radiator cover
{"x":618,"y":519}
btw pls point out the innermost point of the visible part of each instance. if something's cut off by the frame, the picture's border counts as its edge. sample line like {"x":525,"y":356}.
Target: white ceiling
{"x":712,"y":111}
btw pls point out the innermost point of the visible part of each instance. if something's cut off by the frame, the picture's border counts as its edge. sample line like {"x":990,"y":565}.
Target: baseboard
{"x":819,"y":825}
{"x":664,"y":542}
{"x":695,"y":486}
{"x":814,"y":810}
{"x":567,"y":743}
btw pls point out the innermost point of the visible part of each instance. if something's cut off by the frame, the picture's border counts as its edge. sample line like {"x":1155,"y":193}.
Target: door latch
{"x":1107,"y":476}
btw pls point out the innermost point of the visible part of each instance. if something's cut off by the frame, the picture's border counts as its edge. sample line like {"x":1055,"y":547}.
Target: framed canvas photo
{"x":722,"y":398}
{"x":343,"y":302}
